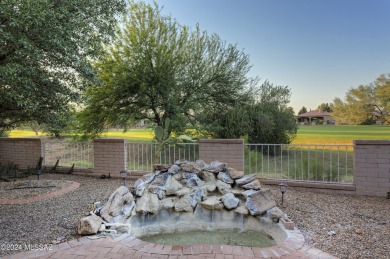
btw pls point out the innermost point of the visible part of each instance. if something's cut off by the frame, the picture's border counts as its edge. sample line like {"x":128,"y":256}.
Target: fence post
{"x":109,"y":155}
{"x":230,"y":151}
{"x":372,"y":167}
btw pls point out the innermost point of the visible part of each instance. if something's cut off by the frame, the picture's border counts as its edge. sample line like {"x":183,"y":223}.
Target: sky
{"x":318,"y":48}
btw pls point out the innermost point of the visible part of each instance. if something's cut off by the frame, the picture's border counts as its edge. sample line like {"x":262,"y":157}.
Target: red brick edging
{"x":43,"y":196}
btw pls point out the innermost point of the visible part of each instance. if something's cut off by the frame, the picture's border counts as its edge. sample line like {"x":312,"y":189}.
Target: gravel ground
{"x":18,"y":190}
{"x":46,"y":221}
{"x":361,"y":225}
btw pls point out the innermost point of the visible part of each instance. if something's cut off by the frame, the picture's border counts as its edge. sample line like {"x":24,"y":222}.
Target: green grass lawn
{"x":306,"y":134}
{"x":340,"y":134}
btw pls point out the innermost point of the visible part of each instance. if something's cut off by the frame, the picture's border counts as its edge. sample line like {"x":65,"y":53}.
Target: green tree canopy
{"x":365,"y":103}
{"x":158,"y":69}
{"x":302,"y":110}
{"x":266,"y":119}
{"x":325,"y":107}
{"x":45,"y":52}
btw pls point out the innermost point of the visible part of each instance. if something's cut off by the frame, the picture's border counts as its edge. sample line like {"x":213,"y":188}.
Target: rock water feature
{"x":190,"y":196}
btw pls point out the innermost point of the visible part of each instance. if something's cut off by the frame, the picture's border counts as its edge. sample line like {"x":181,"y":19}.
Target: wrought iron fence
{"x":142,"y":156}
{"x":68,"y":152}
{"x":326,"y":163}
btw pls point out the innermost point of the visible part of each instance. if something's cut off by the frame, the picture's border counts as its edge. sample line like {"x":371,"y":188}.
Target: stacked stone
{"x":185,"y":185}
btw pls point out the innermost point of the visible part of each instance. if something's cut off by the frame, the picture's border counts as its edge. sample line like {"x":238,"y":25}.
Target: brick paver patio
{"x":125,"y":246}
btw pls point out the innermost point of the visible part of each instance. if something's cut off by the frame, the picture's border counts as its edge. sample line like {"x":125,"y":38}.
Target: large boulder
{"x":224,"y":177}
{"x":215,"y":167}
{"x":183,"y":192}
{"x":209,"y":179}
{"x":230,"y":201}
{"x":246,"y":179}
{"x":113,"y":207}
{"x":190,"y":167}
{"x":89,"y":225}
{"x":148,"y":203}
{"x":184,"y":204}
{"x":161,"y":167}
{"x":172,"y":186}
{"x":212,"y":203}
{"x":174,"y":169}
{"x":242,"y":209}
{"x":168,"y":203}
{"x":275,"y":214}
{"x":254,"y":185}
{"x":197,"y":195}
{"x":234,"y":174}
{"x":222,"y":187}
{"x":195,"y":182}
{"x":201,"y":164}
{"x":259,"y":202}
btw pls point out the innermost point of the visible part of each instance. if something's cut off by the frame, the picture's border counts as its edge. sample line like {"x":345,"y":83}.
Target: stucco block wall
{"x":230,"y":151}
{"x":372,"y":167}
{"x":109,"y":156}
{"x":24,"y":152}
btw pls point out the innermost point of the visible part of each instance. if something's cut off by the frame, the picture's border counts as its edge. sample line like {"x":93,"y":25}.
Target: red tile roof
{"x":314,"y":114}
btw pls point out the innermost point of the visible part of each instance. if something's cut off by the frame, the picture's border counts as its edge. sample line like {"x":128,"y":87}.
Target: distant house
{"x":315,"y":117}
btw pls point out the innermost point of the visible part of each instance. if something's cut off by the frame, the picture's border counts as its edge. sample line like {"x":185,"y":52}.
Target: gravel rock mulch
{"x":30,"y":187}
{"x":344,"y":226}
{"x":46,"y":221}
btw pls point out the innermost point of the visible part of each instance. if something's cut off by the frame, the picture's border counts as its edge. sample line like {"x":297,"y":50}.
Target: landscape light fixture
{"x":123,"y":174}
{"x":283,"y":189}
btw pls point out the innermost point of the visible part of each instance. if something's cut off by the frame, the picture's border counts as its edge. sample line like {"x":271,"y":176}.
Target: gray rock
{"x":160,"y":194}
{"x":211,"y":187}
{"x":234,"y":174}
{"x":207,"y":176}
{"x":184,"y":204}
{"x":242,"y":209}
{"x":178,"y":176}
{"x":229,"y":201}
{"x":140,"y":189}
{"x":248,"y":193}
{"x":237,"y":191}
{"x":148,"y":203}
{"x":215,"y":167}
{"x":246,"y":179}
{"x":168,"y":203}
{"x":180,"y":162}
{"x":195,"y":182}
{"x":117,"y":200}
{"x":212,"y":203}
{"x":254,"y":185}
{"x":259,"y":202}
{"x":161,"y":167}
{"x":224,"y":177}
{"x":196,"y":196}
{"x":275,"y":214}
{"x":223,"y":187}
{"x":89,"y":225}
{"x":160,"y":180}
{"x":183,"y":192}
{"x":172,"y":186}
{"x":174,"y":169}
{"x":188,"y":175}
{"x":147,"y":178}
{"x":138,"y":183}
{"x":201,"y":164}
{"x":190,"y":167}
